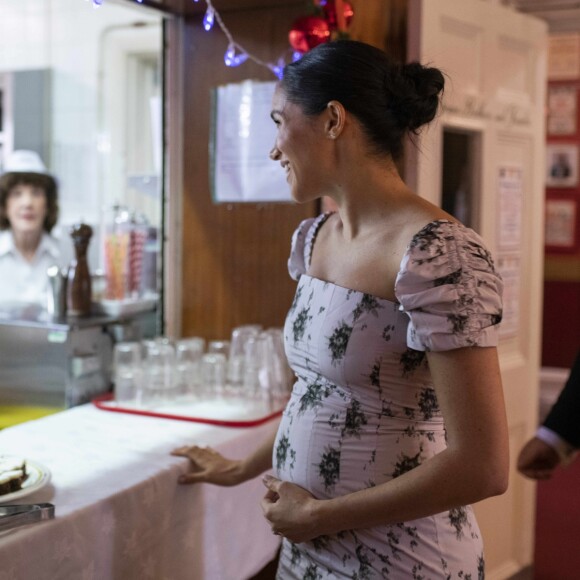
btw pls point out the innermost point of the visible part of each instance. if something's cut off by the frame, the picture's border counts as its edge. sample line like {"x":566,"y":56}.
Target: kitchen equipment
{"x":12,"y":516}
{"x":62,"y":363}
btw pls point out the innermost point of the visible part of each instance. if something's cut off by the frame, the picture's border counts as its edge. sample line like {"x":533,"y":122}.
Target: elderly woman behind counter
{"x":28,"y":212}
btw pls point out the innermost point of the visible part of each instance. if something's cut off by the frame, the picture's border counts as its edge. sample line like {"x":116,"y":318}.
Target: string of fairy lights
{"x":235,"y":54}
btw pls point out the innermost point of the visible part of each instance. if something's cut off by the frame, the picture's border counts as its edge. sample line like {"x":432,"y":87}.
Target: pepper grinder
{"x":78,"y":295}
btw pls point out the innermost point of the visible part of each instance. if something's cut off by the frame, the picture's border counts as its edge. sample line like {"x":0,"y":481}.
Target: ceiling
{"x":197,"y":7}
{"x":561,"y":15}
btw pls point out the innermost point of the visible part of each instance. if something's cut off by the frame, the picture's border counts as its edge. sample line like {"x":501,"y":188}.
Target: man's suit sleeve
{"x":564,"y":417}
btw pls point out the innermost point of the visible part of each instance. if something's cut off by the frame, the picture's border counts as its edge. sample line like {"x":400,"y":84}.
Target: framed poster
{"x":563,"y":57}
{"x":561,"y":165}
{"x":562,"y":110}
{"x":561,"y":225}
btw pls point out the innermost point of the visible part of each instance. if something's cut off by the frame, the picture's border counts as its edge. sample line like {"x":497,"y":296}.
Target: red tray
{"x":101,"y":403}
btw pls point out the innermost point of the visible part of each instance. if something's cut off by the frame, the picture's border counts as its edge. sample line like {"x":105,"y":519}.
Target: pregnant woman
{"x":396,"y":422}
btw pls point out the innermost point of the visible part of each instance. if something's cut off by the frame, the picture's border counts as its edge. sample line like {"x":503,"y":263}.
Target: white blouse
{"x":22,"y":281}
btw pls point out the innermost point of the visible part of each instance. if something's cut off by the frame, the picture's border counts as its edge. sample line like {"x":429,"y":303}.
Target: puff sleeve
{"x":301,"y":246}
{"x":448,"y":287}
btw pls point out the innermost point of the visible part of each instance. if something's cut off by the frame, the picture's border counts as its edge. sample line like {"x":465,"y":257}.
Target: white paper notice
{"x":560,"y":222}
{"x":509,"y":268}
{"x":562,"y":110}
{"x":563,"y":56}
{"x":244,"y":135}
{"x":510,"y":189}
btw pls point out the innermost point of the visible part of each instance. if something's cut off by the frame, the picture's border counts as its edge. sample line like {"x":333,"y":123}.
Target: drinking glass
{"x":188,"y":353}
{"x":158,"y":367}
{"x":127,"y":372}
{"x":152,"y":343}
{"x":255,"y":376}
{"x":240,"y":336}
{"x":219,"y":347}
{"x":213,"y":374}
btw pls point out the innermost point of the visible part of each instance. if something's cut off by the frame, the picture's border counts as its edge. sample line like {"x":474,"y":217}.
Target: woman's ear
{"x":336,"y":119}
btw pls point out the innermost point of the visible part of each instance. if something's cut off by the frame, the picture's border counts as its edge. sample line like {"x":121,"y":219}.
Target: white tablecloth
{"x":119,"y":511}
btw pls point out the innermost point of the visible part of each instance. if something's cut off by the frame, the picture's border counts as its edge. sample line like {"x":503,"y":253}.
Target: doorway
{"x":460,"y":175}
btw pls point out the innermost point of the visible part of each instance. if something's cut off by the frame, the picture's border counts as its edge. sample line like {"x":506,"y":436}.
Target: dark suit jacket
{"x":564,"y":417}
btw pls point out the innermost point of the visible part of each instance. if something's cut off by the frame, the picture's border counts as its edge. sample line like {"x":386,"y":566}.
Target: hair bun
{"x":422,"y":87}
{"x":387,"y":98}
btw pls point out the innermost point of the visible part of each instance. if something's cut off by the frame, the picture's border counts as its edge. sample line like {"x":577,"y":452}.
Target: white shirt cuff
{"x":561,"y":446}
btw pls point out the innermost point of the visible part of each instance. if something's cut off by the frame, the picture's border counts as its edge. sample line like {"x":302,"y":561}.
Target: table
{"x":119,"y":511}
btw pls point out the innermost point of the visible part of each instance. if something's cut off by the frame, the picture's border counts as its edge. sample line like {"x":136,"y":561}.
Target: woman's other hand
{"x":209,"y":466}
{"x":290,"y":510}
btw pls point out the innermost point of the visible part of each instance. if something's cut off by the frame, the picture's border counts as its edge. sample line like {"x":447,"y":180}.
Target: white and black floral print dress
{"x":363,"y":409}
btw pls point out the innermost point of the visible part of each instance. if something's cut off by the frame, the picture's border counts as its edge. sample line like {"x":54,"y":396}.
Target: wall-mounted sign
{"x":561,"y":223}
{"x":243,"y":135}
{"x":562,"y":110}
{"x":510,"y":199}
{"x":564,"y":57}
{"x":509,"y":268}
{"x":561,"y":165}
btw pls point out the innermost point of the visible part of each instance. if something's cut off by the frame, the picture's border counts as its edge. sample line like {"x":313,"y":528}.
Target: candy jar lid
{"x":122,"y":215}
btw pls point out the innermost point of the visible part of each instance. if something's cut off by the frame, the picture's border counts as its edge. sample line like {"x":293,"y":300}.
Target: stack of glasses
{"x":251,"y":366}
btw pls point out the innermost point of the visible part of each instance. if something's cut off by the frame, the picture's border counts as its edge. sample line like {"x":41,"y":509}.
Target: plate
{"x":125,"y":307}
{"x":38,"y":477}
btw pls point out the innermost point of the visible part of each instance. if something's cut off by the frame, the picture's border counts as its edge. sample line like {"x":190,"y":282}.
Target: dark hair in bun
{"x":389,"y":99}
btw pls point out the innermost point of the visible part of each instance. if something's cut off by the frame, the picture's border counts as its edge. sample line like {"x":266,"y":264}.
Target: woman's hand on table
{"x":290,"y":510}
{"x":209,"y":466}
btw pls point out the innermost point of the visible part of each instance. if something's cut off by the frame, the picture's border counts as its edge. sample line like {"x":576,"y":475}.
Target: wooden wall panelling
{"x":234,"y":255}
{"x":382,"y":23}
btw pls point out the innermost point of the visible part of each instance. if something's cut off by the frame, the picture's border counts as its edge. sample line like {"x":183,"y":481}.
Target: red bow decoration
{"x":308,"y":32}
{"x":331,"y":19}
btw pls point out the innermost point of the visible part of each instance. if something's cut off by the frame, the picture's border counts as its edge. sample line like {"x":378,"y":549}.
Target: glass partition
{"x":459,"y":188}
{"x":83,"y":89}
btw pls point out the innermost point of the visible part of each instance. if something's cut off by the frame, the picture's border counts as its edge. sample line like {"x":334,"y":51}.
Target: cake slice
{"x":12,"y":474}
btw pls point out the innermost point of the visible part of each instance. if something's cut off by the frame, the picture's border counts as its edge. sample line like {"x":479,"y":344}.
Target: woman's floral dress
{"x":363,"y":409}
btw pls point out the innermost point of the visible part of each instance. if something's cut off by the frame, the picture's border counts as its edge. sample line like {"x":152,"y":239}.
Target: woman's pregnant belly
{"x":331,"y":443}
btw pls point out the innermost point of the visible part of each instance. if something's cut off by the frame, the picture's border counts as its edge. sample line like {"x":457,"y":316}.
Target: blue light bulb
{"x":230,"y":55}
{"x":209,"y":19}
{"x":233,"y":59}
